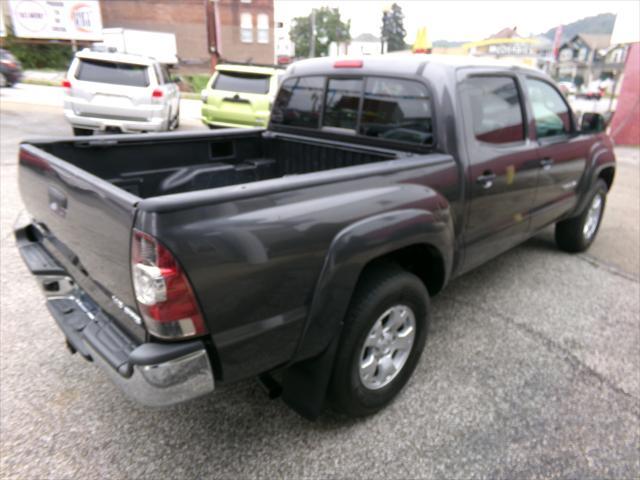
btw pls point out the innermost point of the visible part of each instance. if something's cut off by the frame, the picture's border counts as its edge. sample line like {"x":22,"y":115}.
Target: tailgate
{"x":87,"y":224}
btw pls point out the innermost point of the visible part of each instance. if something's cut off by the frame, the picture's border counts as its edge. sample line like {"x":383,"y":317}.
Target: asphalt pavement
{"x":531,"y":370}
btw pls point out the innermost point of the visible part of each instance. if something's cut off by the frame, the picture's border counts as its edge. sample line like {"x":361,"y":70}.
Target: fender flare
{"x":352,"y":249}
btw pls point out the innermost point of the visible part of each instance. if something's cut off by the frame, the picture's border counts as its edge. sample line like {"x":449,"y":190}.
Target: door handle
{"x":486,"y":179}
{"x":546,"y":163}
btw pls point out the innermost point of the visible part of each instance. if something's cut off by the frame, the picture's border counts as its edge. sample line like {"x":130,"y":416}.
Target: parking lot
{"x":531,"y":369}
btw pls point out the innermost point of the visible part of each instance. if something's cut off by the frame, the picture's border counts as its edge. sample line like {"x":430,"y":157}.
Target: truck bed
{"x":149,"y":166}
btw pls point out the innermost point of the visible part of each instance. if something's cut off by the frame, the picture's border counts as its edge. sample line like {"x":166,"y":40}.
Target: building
{"x":207,"y":31}
{"x":581,"y":58}
{"x":363,"y":44}
{"x":285,"y":49}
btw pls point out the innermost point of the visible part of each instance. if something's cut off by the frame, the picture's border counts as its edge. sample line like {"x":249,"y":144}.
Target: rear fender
{"x":352,"y":249}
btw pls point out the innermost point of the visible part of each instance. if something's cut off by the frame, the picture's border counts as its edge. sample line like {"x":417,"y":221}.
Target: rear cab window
{"x":242,"y":82}
{"x":386,"y":108}
{"x":117,"y":73}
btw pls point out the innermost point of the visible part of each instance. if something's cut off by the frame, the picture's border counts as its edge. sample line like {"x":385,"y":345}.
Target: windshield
{"x":242,"y":82}
{"x":116,"y":73}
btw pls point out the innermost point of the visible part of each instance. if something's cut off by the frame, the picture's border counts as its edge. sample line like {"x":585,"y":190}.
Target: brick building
{"x":206,"y":30}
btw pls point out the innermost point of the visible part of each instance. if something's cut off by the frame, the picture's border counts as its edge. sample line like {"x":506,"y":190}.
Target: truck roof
{"x":399,"y":64}
{"x":115,"y":57}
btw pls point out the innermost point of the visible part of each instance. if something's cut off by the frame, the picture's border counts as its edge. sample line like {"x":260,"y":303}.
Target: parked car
{"x":111,"y":91}
{"x":181,"y":262}
{"x":10,"y":69}
{"x":594,"y":90}
{"x":568,"y":88}
{"x":239,"y":96}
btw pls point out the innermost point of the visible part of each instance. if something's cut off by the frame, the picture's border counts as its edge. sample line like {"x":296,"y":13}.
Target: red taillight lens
{"x":348,"y":64}
{"x":66,"y":84}
{"x":165,"y":297}
{"x":157,"y":93}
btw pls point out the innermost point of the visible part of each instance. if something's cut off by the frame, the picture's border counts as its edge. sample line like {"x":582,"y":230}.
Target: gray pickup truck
{"x":305,"y":254}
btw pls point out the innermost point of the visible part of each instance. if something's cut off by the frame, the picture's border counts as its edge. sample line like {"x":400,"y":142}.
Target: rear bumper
{"x":211,"y":115}
{"x":95,"y":123}
{"x":153,"y":374}
{"x":149,"y":119}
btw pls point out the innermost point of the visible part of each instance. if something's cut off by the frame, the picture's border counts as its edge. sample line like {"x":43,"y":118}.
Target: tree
{"x":392,"y":30}
{"x":328,"y":28}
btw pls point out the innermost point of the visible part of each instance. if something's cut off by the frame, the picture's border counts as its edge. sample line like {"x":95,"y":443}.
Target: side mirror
{"x":592,"y":123}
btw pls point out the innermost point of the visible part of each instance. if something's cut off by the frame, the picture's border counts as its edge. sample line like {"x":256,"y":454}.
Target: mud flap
{"x":304,"y":384}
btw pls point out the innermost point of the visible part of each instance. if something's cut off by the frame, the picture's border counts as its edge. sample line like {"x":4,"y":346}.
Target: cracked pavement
{"x":531,"y":369}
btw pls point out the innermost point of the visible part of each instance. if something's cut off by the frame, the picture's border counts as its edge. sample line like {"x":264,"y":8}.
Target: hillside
{"x":602,"y":24}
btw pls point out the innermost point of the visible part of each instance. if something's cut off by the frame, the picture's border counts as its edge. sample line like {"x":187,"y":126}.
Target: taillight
{"x":66,"y":83}
{"x":157,"y":93}
{"x":165,"y":297}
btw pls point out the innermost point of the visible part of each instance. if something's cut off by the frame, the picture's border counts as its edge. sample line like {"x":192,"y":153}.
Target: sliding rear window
{"x":116,"y":73}
{"x":386,"y":108}
{"x":242,"y":82}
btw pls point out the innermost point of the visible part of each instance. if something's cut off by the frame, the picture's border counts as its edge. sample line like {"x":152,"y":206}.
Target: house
{"x":206,"y":31}
{"x":363,"y":44}
{"x":581,"y":58}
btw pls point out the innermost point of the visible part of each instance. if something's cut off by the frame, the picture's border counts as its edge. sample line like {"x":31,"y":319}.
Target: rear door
{"x":562,"y":152}
{"x":504,"y":164}
{"x":109,"y":89}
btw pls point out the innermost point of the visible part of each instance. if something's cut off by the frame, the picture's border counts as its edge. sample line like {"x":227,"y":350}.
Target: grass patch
{"x":195,"y":83}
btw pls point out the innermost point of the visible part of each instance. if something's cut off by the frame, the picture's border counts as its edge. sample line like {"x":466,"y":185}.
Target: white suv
{"x":121,"y":92}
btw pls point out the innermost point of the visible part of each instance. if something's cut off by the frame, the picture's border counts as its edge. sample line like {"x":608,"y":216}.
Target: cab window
{"x":395,"y":109}
{"x":342,"y":102}
{"x":496,"y":108}
{"x":550,"y":112}
{"x":298,"y":102}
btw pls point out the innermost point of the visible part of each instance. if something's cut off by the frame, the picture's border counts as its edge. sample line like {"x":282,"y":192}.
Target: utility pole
{"x":312,"y":46}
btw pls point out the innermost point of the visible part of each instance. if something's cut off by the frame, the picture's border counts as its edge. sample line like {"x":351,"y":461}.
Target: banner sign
{"x":63,"y":19}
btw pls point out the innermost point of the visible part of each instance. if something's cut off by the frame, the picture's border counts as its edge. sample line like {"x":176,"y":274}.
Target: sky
{"x":462,"y":20}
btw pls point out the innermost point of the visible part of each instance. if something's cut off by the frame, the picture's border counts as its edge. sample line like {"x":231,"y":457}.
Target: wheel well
{"x":422,"y":260}
{"x":607,"y":175}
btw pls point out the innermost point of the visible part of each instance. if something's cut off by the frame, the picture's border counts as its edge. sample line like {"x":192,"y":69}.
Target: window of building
{"x":342,"y":103}
{"x":246,"y":28}
{"x":298,"y":102}
{"x":263,"y":28}
{"x":496,"y":108}
{"x":396,"y":109}
{"x":549,"y":109}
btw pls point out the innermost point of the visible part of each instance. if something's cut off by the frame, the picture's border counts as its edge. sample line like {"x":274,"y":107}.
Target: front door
{"x":503,"y":165}
{"x":562,"y":152}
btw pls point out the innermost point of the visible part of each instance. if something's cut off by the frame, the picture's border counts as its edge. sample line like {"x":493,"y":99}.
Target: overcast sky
{"x":461,"y":20}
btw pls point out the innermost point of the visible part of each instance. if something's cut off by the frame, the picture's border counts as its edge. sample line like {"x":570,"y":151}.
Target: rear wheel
{"x":81,"y":132}
{"x":383,"y":337}
{"x":578,"y":233}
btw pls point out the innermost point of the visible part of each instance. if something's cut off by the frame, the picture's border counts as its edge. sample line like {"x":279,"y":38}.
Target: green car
{"x":240,"y":96}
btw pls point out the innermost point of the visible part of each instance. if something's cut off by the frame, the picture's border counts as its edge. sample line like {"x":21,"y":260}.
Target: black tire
{"x":570,"y":235}
{"x":378,"y":290}
{"x":176,"y":121}
{"x":82,"y":132}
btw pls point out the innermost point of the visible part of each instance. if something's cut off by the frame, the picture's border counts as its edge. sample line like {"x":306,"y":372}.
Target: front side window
{"x":495,"y":107}
{"x":549,"y":109}
{"x":116,"y":73}
{"x":242,"y":82}
{"x":395,"y":109}
{"x":342,"y":102}
{"x":246,"y":28}
{"x":298,"y":102}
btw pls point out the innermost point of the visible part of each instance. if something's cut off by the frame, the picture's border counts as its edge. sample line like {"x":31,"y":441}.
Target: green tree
{"x":328,"y":28}
{"x":392,"y":30}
